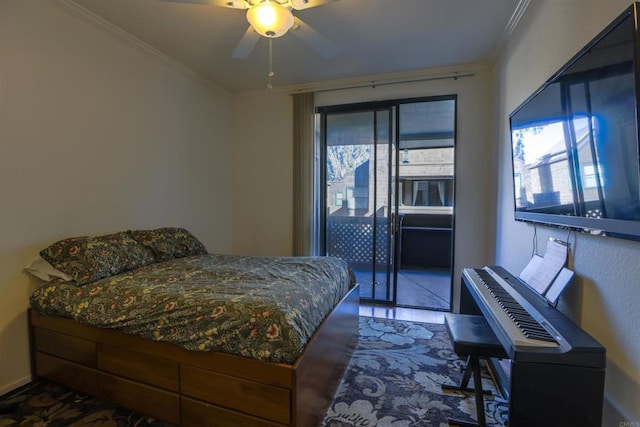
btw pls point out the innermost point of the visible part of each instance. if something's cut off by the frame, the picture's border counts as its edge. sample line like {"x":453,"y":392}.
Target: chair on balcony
{"x":472,"y":337}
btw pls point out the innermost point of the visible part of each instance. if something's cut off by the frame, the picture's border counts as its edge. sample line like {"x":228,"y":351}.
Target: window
{"x":518,"y":184}
{"x":433,"y":192}
{"x":589,"y":177}
{"x":338,"y":198}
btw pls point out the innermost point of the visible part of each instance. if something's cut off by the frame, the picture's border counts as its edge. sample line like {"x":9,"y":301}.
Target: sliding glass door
{"x":426,"y":193}
{"x":360,"y":198}
{"x":387,"y":185}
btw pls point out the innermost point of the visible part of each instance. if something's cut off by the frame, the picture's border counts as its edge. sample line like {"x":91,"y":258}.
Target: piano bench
{"x":472,"y":337}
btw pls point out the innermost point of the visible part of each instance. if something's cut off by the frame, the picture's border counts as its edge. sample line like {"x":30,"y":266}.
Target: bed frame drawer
{"x":216,"y":389}
{"x":65,"y":372}
{"x":201,"y":414}
{"x":157,"y":403}
{"x":272,"y":403}
{"x":65,"y":346}
{"x":142,"y":367}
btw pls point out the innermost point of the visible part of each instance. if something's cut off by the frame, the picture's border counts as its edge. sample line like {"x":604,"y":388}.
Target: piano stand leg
{"x":477,"y":385}
{"x":464,"y":384}
{"x":473,"y":367}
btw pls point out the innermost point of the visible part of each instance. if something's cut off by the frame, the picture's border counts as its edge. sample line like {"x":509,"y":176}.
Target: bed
{"x":149,"y":320}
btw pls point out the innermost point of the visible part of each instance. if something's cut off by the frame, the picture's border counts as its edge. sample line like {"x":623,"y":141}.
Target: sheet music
{"x":542,"y":272}
{"x":530,"y":270}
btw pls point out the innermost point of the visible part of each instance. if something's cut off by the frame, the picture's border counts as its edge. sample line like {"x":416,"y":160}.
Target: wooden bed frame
{"x":191,"y":388}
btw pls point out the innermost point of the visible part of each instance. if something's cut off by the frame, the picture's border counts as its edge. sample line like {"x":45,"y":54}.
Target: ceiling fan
{"x":272,"y":19}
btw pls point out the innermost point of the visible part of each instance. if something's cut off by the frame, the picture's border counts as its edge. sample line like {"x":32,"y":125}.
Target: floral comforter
{"x":265,"y":308}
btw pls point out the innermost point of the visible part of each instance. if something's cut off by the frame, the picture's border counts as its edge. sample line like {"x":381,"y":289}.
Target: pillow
{"x":45,"y":271}
{"x":133,"y":253}
{"x":86,"y":258}
{"x":169,"y":243}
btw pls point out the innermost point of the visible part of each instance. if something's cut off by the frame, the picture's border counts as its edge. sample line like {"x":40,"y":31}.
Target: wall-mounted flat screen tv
{"x":576,"y":161}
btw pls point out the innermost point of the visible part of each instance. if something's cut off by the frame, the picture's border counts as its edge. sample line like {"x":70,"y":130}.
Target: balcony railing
{"x":351,"y":238}
{"x":424,"y":239}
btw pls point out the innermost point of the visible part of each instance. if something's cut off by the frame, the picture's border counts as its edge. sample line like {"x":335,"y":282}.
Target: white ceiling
{"x":373,"y":37}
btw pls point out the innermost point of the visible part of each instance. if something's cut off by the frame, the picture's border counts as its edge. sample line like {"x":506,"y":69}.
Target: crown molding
{"x":513,"y":22}
{"x":521,"y":8}
{"x":134,"y":42}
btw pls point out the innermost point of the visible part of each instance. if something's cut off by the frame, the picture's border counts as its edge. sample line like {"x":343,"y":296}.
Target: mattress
{"x":264,"y":308}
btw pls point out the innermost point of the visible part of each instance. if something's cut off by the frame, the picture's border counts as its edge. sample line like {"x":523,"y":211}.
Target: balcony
{"x":424,"y":273}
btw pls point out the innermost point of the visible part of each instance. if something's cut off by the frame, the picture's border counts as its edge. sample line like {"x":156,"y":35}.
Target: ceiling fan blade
{"x":233,"y":4}
{"x":307,"y":34}
{"x":246,"y":44}
{"x":306,"y":4}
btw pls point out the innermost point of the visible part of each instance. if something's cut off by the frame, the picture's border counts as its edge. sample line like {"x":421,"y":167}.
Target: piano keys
{"x":523,"y":323}
{"x":557,"y":370}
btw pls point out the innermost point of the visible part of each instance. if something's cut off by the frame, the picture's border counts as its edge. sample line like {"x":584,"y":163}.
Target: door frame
{"x":393,"y":177}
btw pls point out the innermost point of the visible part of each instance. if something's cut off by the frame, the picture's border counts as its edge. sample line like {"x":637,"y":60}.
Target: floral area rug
{"x":45,"y":404}
{"x":394,"y":380}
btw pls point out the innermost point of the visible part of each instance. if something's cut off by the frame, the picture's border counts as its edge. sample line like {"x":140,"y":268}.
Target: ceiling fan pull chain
{"x":270,"y":85}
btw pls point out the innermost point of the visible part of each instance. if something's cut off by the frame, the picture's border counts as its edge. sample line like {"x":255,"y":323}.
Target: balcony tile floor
{"x":426,"y":288}
{"x":417,"y":287}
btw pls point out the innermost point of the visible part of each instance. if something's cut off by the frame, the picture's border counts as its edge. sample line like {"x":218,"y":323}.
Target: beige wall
{"x":262,"y":174}
{"x":605,"y":297}
{"x":97,"y":134}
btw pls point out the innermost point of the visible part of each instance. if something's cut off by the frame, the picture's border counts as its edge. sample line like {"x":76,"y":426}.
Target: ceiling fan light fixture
{"x":270,"y":19}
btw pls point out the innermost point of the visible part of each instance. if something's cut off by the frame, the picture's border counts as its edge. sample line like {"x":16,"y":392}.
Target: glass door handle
{"x":393,"y":223}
